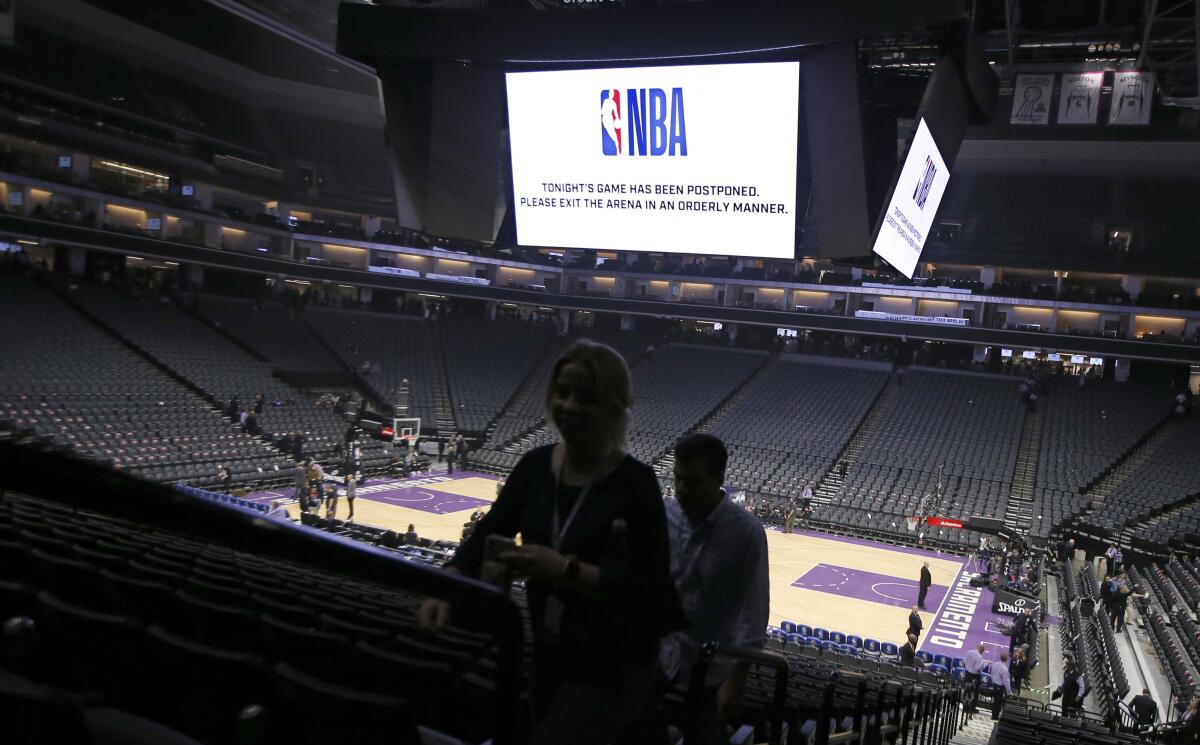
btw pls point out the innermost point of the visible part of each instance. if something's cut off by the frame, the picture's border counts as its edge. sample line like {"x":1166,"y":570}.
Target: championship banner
{"x":1079,"y":101}
{"x":1132,"y":95}
{"x":1031,"y":99}
{"x":1012,"y":603}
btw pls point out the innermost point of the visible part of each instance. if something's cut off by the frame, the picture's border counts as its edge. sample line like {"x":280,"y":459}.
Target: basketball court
{"x":833,"y":582}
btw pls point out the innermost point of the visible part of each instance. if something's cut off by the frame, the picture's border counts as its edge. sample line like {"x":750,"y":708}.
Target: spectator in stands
{"x":1072,"y":689}
{"x":1020,"y":629}
{"x":351,"y":493}
{"x":1145,"y":710}
{"x":411,"y":537}
{"x":1066,"y":550}
{"x":789,"y":515}
{"x":1018,"y":670}
{"x":451,"y":453}
{"x":926,"y":581}
{"x":260,"y":401}
{"x":1120,"y":602}
{"x":251,"y":423}
{"x":908,"y":652}
{"x":1001,"y":685}
{"x":242,"y":418}
{"x":441,"y":445}
{"x":973,"y":663}
{"x":233,"y":408}
{"x":1110,"y":556}
{"x":719,"y":565}
{"x":595,"y":554}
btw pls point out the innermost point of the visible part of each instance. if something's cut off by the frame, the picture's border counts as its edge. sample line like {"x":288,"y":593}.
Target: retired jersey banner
{"x":1132,"y":94}
{"x":1079,"y":101}
{"x":1031,"y":99}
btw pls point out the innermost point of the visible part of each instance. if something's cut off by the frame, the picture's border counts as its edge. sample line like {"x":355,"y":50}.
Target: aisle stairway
{"x":978,"y":730}
{"x":531,"y":388}
{"x":1113,"y":480}
{"x":443,"y":405}
{"x":664,"y":466}
{"x":1020,"y":499}
{"x":831,"y":482}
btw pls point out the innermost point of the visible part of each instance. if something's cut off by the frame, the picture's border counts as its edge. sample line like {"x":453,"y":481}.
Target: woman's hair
{"x":613,"y":384}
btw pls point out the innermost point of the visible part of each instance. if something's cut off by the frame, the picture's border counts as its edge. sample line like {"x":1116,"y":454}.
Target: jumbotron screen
{"x":696,"y":159}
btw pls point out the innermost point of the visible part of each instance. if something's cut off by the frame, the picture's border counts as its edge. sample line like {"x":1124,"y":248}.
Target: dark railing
{"x":695,"y":693}
{"x":42,"y":473}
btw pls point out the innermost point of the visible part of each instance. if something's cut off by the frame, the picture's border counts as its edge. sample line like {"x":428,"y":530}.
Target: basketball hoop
{"x":912,"y":521}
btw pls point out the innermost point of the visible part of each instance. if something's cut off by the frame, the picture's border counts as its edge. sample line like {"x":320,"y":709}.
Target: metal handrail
{"x":757,"y":657}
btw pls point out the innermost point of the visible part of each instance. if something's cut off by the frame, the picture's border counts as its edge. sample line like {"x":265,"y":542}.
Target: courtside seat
{"x":837,"y":636}
{"x":925,"y":657}
{"x":938,"y":669}
{"x":820,"y":633}
{"x":943,"y":660}
{"x":887,"y":649}
{"x":857,"y":641}
{"x":871,"y":646}
{"x":804,"y":629}
{"x":788,"y":627}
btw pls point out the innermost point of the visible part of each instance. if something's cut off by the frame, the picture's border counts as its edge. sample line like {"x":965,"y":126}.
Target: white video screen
{"x":694,"y":159}
{"x":914,"y":204}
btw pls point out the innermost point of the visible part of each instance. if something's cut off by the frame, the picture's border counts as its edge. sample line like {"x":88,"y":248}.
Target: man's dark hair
{"x":704,"y":446}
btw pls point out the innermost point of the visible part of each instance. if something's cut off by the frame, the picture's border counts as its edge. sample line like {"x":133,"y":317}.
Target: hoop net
{"x":912,"y":521}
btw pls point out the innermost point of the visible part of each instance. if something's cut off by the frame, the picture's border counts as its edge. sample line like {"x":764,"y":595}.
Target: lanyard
{"x":558,"y":529}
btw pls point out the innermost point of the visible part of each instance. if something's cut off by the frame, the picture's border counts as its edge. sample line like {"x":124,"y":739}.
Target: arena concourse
{"x":319,"y":328}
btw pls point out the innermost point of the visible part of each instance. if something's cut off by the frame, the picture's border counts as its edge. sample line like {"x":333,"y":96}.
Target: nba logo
{"x":611,"y":122}
{"x":925,"y":183}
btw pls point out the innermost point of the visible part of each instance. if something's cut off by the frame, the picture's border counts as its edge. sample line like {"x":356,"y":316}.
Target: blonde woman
{"x":595,"y":554}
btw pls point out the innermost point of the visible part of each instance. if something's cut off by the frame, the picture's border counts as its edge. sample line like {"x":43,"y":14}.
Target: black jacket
{"x":915,"y":624}
{"x":1145,"y":709}
{"x":926,"y":577}
{"x":637,"y":603}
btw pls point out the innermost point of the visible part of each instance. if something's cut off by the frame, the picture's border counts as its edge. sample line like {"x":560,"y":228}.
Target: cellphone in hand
{"x":494,"y":571}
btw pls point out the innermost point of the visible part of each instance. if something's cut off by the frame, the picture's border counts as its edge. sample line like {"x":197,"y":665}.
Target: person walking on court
{"x":331,"y":500}
{"x":915,"y":624}
{"x":926,"y":581}
{"x":451,"y":454}
{"x":351,"y":493}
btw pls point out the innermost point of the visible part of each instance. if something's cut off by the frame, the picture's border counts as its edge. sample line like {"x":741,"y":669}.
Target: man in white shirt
{"x":974,"y":664}
{"x":719,"y":565}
